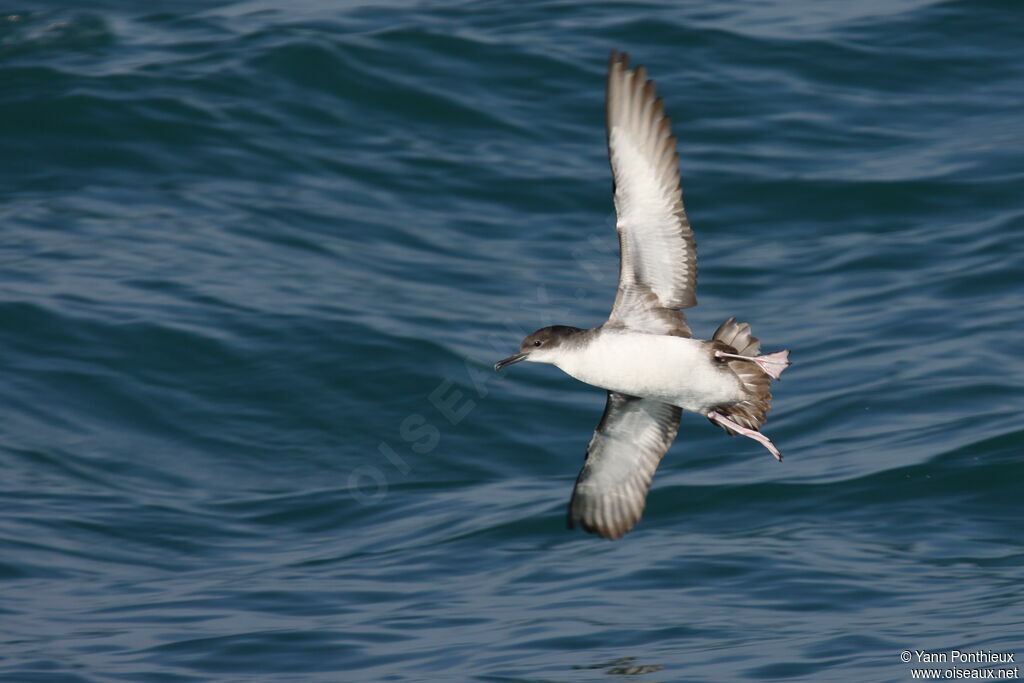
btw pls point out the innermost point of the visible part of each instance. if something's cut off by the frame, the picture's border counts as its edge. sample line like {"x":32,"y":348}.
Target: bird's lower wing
{"x":629,"y":442}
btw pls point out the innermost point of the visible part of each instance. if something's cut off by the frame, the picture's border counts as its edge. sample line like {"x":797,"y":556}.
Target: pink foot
{"x":751,"y":433}
{"x":772,"y":363}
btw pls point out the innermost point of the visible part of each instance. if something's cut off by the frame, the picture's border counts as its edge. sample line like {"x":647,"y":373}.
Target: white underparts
{"x":671,"y":369}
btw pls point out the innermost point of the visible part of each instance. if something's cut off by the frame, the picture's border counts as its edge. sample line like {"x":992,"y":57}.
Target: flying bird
{"x":644,"y":354}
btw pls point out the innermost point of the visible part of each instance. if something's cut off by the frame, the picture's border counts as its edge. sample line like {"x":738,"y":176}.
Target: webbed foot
{"x":757,"y":436}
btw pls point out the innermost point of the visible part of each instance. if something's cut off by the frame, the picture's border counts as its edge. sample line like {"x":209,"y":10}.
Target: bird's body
{"x":676,"y":370}
{"x":644,"y":354}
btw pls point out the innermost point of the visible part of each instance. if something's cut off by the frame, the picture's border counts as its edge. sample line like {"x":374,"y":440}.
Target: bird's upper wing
{"x":658,"y":267}
{"x":627,"y":446}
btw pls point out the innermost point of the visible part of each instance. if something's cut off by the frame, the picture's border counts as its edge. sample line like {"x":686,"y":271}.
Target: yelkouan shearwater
{"x":644,"y":355}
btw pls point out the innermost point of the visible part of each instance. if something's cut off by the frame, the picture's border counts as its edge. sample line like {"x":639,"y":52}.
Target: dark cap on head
{"x":551,"y":337}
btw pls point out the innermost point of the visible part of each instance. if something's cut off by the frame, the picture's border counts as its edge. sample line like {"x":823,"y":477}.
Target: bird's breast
{"x":671,"y":369}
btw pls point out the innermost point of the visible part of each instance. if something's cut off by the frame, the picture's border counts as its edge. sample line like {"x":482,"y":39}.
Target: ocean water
{"x":256,"y":260}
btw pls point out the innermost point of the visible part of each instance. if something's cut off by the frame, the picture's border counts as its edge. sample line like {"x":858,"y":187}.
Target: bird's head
{"x":546,"y":345}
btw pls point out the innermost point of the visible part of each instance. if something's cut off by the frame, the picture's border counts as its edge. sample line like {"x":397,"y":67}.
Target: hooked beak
{"x":510,"y":360}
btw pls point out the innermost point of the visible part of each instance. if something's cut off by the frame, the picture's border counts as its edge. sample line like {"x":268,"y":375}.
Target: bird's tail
{"x":755,"y":371}
{"x":737,"y":335}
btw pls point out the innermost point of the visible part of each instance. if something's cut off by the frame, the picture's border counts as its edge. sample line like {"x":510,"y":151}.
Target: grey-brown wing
{"x":629,"y":442}
{"x":658,"y":266}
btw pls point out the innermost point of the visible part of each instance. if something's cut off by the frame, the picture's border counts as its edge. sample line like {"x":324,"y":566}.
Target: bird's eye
{"x":537,"y":342}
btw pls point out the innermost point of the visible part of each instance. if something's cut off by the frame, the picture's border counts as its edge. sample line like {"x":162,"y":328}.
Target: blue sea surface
{"x":257,"y":259}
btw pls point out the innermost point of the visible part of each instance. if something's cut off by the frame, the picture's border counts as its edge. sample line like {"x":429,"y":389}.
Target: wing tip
{"x":611,"y":533}
{"x":620,"y":62}
{"x":608,"y":524}
{"x":586,"y":521}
